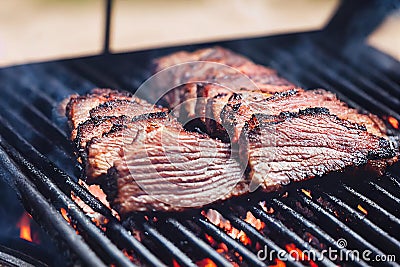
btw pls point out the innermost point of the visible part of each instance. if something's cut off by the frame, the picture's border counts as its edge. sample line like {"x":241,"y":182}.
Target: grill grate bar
{"x":347,"y":230}
{"x":54,"y":224}
{"x":315,"y":229}
{"x":219,"y":235}
{"x":40,"y":120}
{"x":57,"y":144}
{"x":100,"y":78}
{"x":281,"y":228}
{"x":372,"y":204}
{"x":385,"y":192}
{"x":362,"y":219}
{"x":364,"y":69}
{"x":20,"y":123}
{"x":252,"y":232}
{"x":340,"y":83}
{"x":395,"y":181}
{"x":67,"y":184}
{"x":340,"y":66}
{"x":55,"y":194}
{"x":375,"y":215}
{"x":313,"y":75}
{"x":192,"y":238}
{"x":296,"y":73}
{"x":178,"y":255}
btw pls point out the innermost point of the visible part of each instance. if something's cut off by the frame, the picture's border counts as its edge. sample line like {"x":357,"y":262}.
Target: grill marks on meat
{"x":240,"y":108}
{"x":170,"y":169}
{"x":304,"y":145}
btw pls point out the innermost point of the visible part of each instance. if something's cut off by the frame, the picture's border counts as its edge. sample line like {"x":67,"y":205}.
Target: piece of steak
{"x":187,"y":81}
{"x":170,"y":169}
{"x":303,"y":145}
{"x":240,"y":108}
{"x":101,"y":152}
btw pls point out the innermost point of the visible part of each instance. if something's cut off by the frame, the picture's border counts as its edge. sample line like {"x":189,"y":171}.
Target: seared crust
{"x":127,"y":107}
{"x":295,"y":146}
{"x":95,"y":127}
{"x":240,"y":108}
{"x":78,"y":108}
{"x":200,"y":82}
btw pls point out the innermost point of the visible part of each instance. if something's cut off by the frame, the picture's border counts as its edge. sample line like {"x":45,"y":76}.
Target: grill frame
{"x":44,"y":188}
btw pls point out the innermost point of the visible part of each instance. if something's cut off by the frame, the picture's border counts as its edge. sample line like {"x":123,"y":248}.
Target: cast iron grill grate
{"x":313,"y":215}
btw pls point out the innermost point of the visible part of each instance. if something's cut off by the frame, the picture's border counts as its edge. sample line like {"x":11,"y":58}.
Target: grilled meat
{"x":303,"y":145}
{"x":240,"y":108}
{"x":123,"y":107}
{"x":78,"y":107}
{"x":169,"y":169}
{"x":189,"y":80}
{"x":95,"y":128}
{"x":101,"y":152}
{"x":156,"y":173}
{"x":111,"y":112}
{"x":146,"y":160}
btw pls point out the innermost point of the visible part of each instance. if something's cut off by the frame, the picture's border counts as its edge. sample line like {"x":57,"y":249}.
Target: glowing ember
{"x":207,"y":262}
{"x":393,"y":122}
{"x":128,"y":254}
{"x":253,"y":221}
{"x":306,"y":192}
{"x":217,"y":219}
{"x":210,"y":239}
{"x":175,"y":263}
{"x":362,"y":209}
{"x":299,"y":255}
{"x":24,"y":225}
{"x":268,"y":210}
{"x":278,"y":263}
{"x":64,"y":213}
{"x":222,"y":248}
{"x":97,"y":192}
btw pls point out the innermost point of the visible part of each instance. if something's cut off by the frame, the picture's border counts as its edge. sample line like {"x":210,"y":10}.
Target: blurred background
{"x":39,"y":30}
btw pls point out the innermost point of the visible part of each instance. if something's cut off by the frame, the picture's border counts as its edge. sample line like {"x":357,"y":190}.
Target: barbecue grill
{"x":343,"y":213}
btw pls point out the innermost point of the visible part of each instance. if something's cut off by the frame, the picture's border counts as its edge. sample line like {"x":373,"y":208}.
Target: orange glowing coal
{"x":362,"y":209}
{"x":393,"y":122}
{"x":306,"y":192}
{"x":128,"y":254}
{"x":64,"y":214}
{"x":298,"y":254}
{"x":207,"y":262}
{"x":278,"y":263}
{"x":217,"y":219}
{"x":175,"y":263}
{"x":253,"y":221}
{"x":24,"y":224}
